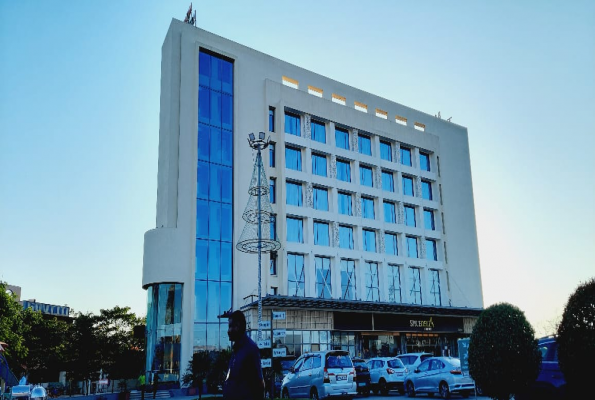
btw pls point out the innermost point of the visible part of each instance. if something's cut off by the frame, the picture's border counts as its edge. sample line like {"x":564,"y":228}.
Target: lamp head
{"x":251,"y":137}
{"x":261,"y":135}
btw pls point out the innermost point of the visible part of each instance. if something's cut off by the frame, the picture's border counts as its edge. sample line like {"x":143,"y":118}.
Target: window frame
{"x":384,"y":144}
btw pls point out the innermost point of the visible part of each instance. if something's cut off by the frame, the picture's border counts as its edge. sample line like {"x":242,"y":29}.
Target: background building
{"x":373,"y":201}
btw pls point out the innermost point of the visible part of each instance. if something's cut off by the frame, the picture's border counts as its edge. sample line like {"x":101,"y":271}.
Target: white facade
{"x":261,"y":82}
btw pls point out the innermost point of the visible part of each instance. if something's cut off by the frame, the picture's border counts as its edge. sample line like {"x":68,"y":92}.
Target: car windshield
{"x":285,"y":365}
{"x":396,"y":363}
{"x":360,"y":363}
{"x":338,"y":361}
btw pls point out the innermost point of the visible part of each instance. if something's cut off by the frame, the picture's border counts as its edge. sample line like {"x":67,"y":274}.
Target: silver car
{"x":320,"y":374}
{"x":441,"y":375}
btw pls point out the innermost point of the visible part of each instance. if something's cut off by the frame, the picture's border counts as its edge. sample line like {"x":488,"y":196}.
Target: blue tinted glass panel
{"x":429,"y":220}
{"x":295,"y":230}
{"x":293,"y":158}
{"x":201,"y":252}
{"x":411,"y":247}
{"x":225,"y":296}
{"x":318,"y":165}
{"x":214,"y":220}
{"x":342,"y":138}
{"x":386,"y":152}
{"x":202,"y":226}
{"x":204,"y":69}
{"x":368,"y":207}
{"x":348,"y":281}
{"x":318,"y":132}
{"x":320,"y":197}
{"x":369,"y":240}
{"x":321,"y":235}
{"x":292,"y":124}
{"x":343,"y":171}
{"x":214,"y":260}
{"x":273,"y":227}
{"x":409,"y":216}
{"x":226,"y":148}
{"x":226,"y":77}
{"x":294,"y":194}
{"x":272,"y":190}
{"x":405,"y":156}
{"x":389,"y":212}
{"x":216,"y":73}
{"x":424,"y":161}
{"x":226,"y":254}
{"x":213,"y":296}
{"x":345,"y":204}
{"x":226,"y":184}
{"x":215,"y":151}
{"x":365,"y":176}
{"x":426,"y":190}
{"x":388,"y":182}
{"x":345,"y":237}
{"x":200,"y":305}
{"x":272,"y":155}
{"x":295,"y":275}
{"x":204,"y":105}
{"x":431,"y":250}
{"x":407,"y":186}
{"x":226,"y":222}
{"x":390,"y":243}
{"x":202,"y":180}
{"x":215,"y":109}
{"x":227,"y":112}
{"x":365,"y":144}
{"x":323,"y":277}
{"x":271,"y":119}
{"x":204,"y":140}
{"x":215,"y":182}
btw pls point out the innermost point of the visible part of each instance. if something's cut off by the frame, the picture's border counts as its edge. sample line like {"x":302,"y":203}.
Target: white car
{"x":412,"y":360}
{"x":386,"y":373}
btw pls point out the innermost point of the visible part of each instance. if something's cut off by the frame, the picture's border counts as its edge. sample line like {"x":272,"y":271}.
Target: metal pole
{"x":259,"y":161}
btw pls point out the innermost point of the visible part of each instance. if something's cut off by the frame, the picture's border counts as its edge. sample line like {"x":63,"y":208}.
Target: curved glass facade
{"x":164,"y":330}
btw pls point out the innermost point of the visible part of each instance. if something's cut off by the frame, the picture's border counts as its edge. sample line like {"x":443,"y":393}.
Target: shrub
{"x":503,"y":354}
{"x":576,"y":337}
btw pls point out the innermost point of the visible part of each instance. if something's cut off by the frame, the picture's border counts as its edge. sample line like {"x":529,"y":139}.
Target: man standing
{"x":244,"y":378}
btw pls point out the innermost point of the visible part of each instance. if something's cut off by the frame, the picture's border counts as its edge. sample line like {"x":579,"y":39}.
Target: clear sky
{"x":79,"y":112}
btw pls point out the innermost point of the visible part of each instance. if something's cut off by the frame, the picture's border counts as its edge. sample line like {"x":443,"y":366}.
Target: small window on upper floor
{"x":293,"y":158}
{"x":319,"y":164}
{"x":293,"y":193}
{"x":429,"y":223}
{"x":342,"y":138}
{"x":272,"y":155}
{"x":365,"y":144}
{"x":272,"y":190}
{"x":408,"y":186}
{"x":386,"y":151}
{"x":410,"y":216}
{"x":366,"y":176}
{"x":344,"y":170}
{"x":271,"y":119}
{"x":406,"y":156}
{"x":292,"y":124}
{"x":424,"y":161}
{"x":388,"y":182}
{"x":426,"y":190}
{"x":318,"y":131}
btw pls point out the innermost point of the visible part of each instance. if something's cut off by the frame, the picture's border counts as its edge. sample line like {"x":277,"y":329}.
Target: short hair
{"x":239,"y":318}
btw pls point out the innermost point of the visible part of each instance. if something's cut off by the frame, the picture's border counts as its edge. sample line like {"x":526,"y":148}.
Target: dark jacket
{"x":244,"y":377}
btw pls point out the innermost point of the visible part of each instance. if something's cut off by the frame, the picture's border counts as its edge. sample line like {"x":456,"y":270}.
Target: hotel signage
{"x":62,"y":311}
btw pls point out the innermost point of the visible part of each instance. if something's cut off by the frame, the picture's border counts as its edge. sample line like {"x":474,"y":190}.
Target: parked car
{"x":439,"y":375}
{"x":21,"y":392}
{"x":412,"y":360}
{"x":387,"y":373}
{"x":320,"y":374}
{"x":282,"y":366}
{"x":550,"y":383}
{"x":362,"y":376}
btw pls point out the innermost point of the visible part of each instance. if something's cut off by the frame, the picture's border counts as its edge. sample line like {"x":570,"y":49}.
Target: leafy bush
{"x":503,"y":354}
{"x":576,"y":337}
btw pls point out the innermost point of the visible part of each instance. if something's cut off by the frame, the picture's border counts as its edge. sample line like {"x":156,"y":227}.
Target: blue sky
{"x":79,"y":112}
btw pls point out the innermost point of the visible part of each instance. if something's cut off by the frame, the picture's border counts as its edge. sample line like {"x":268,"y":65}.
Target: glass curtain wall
{"x":214,"y":199}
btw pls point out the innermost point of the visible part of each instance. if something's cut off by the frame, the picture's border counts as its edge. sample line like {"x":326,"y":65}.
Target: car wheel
{"x":314,"y":394}
{"x":444,"y":390}
{"x":382,"y":387}
{"x":285,"y":394}
{"x":410,"y":389}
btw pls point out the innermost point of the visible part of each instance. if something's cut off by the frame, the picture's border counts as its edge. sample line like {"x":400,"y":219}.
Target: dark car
{"x":362,"y":376}
{"x":550,"y":383}
{"x":281,"y":366}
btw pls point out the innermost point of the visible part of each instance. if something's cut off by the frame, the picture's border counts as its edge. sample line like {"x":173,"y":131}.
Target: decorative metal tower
{"x":256,"y":236}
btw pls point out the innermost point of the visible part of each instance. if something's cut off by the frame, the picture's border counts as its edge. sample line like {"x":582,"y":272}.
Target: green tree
{"x":503,"y":354}
{"x":576,"y":337}
{"x":219,"y":369}
{"x":84,"y":359}
{"x":11,"y":330}
{"x":198,"y":369}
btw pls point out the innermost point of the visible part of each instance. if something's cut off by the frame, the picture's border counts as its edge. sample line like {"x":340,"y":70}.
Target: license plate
{"x":341,"y":377}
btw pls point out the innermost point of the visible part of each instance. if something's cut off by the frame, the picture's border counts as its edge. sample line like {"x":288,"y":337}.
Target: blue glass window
{"x":296,"y":281}
{"x":318,"y":131}
{"x":429,"y":220}
{"x":405,"y":156}
{"x":204,"y":147}
{"x":410,"y":216}
{"x":364,"y":144}
{"x":318,"y":164}
{"x":372,"y":282}
{"x":389,"y":212}
{"x":424,"y":161}
{"x":342,"y":138}
{"x":320,"y":198}
{"x":431,"y":250}
{"x":201,"y":252}
{"x":226,"y":112}
{"x":214,"y":272}
{"x":386,"y":151}
{"x":215,"y":118}
{"x":414,"y":285}
{"x":345,"y":237}
{"x":226,"y":148}
{"x":323,"y":277}
{"x":365,"y":176}
{"x":214,"y":220}
{"x":369,"y":240}
{"x":390,"y":244}
{"x":272,"y":190}
{"x":426,"y":190}
{"x":344,"y":202}
{"x":202,"y":225}
{"x":294,"y":194}
{"x":273,"y":227}
{"x":292,"y":124}
{"x":271,"y":119}
{"x":293,"y":158}
{"x":368,"y":208}
{"x":272,"y":155}
{"x":321,"y":235}
{"x":226,"y":222}
{"x":394,"y":283}
{"x":204,"y":69}
{"x":407,"y":186}
{"x":204,"y":105}
{"x":273,"y":263}
{"x":435,"y":298}
{"x":388,"y":182}
{"x":295,"y":230}
{"x":411,"y":247}
{"x":226,"y":253}
{"x":202,"y":180}
{"x":343,"y":171}
{"x":348,"y":282}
